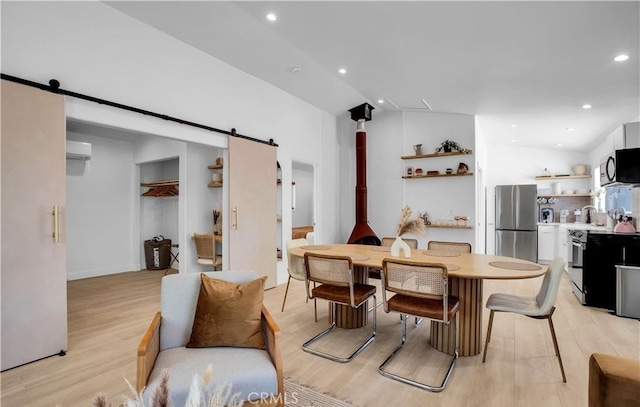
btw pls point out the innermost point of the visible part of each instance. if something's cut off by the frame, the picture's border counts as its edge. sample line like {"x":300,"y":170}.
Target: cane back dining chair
{"x":374,"y":272}
{"x":296,"y":270}
{"x":449,"y":247}
{"x":206,"y":250}
{"x":541,"y":306}
{"x":386,"y":241}
{"x":420,"y":289}
{"x":336,"y":284}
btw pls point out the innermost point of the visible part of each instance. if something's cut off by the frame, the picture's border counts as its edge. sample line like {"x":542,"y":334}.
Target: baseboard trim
{"x":77,"y":275}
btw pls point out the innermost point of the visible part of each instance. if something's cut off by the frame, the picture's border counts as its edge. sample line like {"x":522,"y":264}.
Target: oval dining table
{"x":466,"y":274}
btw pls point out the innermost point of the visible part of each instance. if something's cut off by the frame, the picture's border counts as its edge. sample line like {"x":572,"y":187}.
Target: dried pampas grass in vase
{"x":405,"y":226}
{"x":201,"y":394}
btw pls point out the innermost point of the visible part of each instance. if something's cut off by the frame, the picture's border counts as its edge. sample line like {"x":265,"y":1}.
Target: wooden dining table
{"x":466,"y":274}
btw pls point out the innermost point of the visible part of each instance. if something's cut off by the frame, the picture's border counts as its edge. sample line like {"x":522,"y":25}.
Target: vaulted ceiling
{"x":525,"y":69}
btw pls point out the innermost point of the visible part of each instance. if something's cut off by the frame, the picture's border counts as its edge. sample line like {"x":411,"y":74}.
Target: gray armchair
{"x":256,"y":374}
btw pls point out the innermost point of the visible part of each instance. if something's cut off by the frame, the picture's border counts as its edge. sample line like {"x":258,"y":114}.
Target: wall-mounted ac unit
{"x":77,"y":150}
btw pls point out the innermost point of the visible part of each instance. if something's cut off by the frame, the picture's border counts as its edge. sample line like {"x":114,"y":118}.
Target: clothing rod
{"x":54,"y":87}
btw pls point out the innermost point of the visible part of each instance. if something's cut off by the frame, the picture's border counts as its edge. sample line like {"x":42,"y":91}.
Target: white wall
{"x":159,"y":216}
{"x":200,"y":200}
{"x":391,"y":135}
{"x":510,"y":164}
{"x":303,"y":213}
{"x":99,"y":211}
{"x":443,"y":198}
{"x":480,"y":154}
{"x":93,"y":49}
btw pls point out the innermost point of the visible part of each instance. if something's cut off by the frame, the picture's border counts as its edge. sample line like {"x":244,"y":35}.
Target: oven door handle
{"x":576,"y":244}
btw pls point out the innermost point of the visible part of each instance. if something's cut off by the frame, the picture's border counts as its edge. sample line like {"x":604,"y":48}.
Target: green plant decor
{"x":450,"y":145}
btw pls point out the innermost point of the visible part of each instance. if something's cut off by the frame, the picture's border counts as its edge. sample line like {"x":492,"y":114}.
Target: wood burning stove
{"x":362,"y":232}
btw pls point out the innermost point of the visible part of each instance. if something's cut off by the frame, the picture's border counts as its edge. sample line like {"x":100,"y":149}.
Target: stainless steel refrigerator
{"x":516,"y":221}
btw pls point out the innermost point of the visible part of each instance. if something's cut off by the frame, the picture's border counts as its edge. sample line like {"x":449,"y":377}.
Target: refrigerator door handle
{"x":516,"y":210}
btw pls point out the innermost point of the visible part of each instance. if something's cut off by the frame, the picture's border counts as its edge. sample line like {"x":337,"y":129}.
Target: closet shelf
{"x":161,"y":188}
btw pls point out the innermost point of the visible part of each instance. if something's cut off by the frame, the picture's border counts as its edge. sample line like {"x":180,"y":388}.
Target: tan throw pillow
{"x":228,"y":314}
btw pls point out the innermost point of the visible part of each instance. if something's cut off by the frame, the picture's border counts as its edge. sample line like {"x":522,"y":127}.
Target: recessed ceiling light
{"x":621,"y":58}
{"x":514,"y":125}
{"x":381,"y":101}
{"x":559,"y":144}
{"x":587,"y":106}
{"x":513,"y":141}
{"x":295,"y":69}
{"x":342,"y":71}
{"x":271,"y":17}
{"x":570,"y":129}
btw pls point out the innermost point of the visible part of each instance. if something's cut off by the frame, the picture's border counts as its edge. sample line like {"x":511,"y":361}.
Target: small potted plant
{"x":448,"y":146}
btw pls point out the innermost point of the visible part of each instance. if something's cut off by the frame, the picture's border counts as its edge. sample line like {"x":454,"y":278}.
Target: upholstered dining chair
{"x":420,"y":289}
{"x":452,"y":247}
{"x":253,"y":372}
{"x":541,"y":306}
{"x":336,"y":284}
{"x":206,"y":250}
{"x":296,"y":270}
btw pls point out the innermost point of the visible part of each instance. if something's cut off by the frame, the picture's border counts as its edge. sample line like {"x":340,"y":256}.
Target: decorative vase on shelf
{"x":400,"y":245}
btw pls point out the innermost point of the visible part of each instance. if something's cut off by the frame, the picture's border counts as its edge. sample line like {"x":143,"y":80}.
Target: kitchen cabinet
{"x":603,"y":252}
{"x":546,"y":243}
{"x":563,"y":245}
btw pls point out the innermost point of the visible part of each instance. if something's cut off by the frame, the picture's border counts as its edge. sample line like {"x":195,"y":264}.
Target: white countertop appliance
{"x":546,"y":215}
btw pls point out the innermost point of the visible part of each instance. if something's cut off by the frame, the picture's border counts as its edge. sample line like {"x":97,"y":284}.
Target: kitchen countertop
{"x":576,"y":225}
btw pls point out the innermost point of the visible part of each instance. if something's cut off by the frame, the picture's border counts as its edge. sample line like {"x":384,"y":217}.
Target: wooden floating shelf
{"x":561,"y":195}
{"x":449,"y":226}
{"x":413,"y":157}
{"x":544,"y":177}
{"x":436,"y":176}
{"x":214,"y":184}
{"x":215,"y":167}
{"x":160,"y":183}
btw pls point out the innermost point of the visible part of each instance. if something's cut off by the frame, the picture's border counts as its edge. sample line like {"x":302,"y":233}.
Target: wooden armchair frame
{"x":149,"y":348}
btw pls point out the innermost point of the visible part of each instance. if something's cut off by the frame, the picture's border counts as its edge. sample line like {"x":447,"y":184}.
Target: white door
{"x":34,"y":284}
{"x":252,"y":208}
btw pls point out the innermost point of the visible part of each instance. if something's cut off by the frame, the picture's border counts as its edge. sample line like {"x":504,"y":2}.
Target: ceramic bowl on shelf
{"x":568,"y":192}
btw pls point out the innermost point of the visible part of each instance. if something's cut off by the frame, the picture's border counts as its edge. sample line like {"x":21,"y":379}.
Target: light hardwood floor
{"x":108,"y":315}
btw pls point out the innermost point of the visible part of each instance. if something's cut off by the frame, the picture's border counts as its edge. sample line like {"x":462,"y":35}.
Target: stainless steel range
{"x":578,"y":245}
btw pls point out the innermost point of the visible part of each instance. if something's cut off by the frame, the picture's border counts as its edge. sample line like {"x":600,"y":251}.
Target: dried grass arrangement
{"x":199,"y":394}
{"x":405,"y":226}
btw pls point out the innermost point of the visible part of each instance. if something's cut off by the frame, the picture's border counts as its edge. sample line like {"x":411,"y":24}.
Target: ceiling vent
{"x":413,"y":105}
{"x":77,"y":150}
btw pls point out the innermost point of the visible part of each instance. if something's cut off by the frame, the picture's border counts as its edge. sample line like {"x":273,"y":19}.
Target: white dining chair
{"x":541,"y":306}
{"x":296,"y":271}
